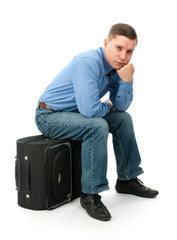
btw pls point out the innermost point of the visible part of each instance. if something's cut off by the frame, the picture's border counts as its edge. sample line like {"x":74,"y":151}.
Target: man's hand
{"x":109,"y":102}
{"x":126,"y":73}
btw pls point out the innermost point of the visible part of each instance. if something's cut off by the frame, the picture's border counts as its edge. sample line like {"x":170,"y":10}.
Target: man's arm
{"x":121,"y":95}
{"x":86,"y":73}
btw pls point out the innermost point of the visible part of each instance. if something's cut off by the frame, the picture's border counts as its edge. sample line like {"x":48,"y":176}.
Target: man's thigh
{"x":66,"y":124}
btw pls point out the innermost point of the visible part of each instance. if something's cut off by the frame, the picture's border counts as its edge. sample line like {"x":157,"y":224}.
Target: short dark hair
{"x":123,"y":30}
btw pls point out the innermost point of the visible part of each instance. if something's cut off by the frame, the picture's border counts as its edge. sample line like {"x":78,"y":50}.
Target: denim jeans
{"x":93,"y":132}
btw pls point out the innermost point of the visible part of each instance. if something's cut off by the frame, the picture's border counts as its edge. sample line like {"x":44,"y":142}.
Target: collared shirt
{"x":80,"y":86}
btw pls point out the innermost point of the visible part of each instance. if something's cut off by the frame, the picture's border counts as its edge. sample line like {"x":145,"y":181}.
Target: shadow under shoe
{"x":95,"y":208}
{"x":135,"y":187}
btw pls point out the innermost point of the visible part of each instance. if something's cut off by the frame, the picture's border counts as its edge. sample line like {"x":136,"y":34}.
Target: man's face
{"x":119,"y":51}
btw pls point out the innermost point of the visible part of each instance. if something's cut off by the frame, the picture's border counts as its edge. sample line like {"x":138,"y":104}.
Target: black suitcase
{"x":47,"y":172}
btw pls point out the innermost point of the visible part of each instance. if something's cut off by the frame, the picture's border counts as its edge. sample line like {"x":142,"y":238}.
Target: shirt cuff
{"x":126,"y":85}
{"x":108,"y":108}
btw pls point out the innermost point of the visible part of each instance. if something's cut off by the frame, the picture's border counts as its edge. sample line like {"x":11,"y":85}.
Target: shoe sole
{"x":95,"y":217}
{"x":153,"y":195}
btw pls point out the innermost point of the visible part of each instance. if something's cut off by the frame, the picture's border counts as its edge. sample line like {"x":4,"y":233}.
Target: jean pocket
{"x":41,"y":124}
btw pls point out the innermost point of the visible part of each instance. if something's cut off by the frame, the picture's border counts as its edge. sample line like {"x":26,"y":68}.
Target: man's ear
{"x":105,"y":43}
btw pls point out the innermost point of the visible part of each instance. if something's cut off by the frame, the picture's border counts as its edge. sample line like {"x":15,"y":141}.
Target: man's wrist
{"x":110,"y":103}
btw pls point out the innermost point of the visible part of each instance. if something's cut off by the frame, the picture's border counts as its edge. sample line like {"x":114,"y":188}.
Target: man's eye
{"x":119,"y":48}
{"x":129,"y":51}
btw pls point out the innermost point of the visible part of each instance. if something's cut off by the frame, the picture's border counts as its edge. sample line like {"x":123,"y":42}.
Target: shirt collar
{"x":107,"y":66}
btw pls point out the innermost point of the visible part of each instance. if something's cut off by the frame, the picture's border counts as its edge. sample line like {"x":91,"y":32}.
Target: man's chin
{"x":118,"y":66}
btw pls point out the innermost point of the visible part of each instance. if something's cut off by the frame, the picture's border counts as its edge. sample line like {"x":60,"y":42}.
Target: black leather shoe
{"x":135,"y":187}
{"x":95,"y":208}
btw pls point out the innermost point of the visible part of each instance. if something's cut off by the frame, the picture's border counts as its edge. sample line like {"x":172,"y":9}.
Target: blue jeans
{"x":93,"y":132}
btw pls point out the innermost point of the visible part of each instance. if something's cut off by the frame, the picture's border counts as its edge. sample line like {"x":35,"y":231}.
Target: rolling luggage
{"x":47,"y":172}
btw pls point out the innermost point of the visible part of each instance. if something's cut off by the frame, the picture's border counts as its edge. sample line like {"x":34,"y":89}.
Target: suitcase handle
{"x":27,"y":176}
{"x":17,"y":174}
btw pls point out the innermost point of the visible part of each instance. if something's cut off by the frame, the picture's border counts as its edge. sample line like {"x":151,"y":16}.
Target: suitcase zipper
{"x":69,"y":195}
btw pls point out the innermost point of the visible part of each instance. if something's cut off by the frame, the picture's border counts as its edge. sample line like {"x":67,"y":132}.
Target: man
{"x":71,"y":107}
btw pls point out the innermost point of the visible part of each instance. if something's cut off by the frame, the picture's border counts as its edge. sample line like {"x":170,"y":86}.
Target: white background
{"x":37,"y":39}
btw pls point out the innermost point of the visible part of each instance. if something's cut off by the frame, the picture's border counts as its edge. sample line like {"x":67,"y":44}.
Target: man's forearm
{"x":123,"y":97}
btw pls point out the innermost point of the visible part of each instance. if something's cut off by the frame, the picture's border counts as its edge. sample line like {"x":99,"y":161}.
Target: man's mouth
{"x":120,"y":63}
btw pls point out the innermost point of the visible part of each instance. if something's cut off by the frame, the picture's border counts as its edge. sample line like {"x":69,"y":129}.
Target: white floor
{"x":132,"y":217}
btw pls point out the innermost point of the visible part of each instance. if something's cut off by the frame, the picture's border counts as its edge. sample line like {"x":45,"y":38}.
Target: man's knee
{"x":116,"y":119}
{"x":101,"y":126}
{"x":126,"y":121}
{"x":126,"y":117}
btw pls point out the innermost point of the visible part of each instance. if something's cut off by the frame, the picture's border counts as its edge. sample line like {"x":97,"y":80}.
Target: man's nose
{"x":123,"y":55}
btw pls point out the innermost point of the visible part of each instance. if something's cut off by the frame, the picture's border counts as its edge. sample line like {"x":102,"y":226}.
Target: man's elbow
{"x":121,"y":107}
{"x":88,"y":114}
{"x":123,"y":104}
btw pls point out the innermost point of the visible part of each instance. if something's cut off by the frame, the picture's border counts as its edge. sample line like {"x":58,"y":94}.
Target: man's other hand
{"x":109,"y":102}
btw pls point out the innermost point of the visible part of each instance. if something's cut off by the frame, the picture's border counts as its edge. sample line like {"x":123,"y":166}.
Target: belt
{"x":43,"y":105}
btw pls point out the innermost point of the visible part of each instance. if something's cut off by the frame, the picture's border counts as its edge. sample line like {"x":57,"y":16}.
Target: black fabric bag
{"x":47,"y":172}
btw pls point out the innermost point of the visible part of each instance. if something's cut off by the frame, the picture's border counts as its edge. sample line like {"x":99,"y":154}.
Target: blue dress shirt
{"x":80,"y":86}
